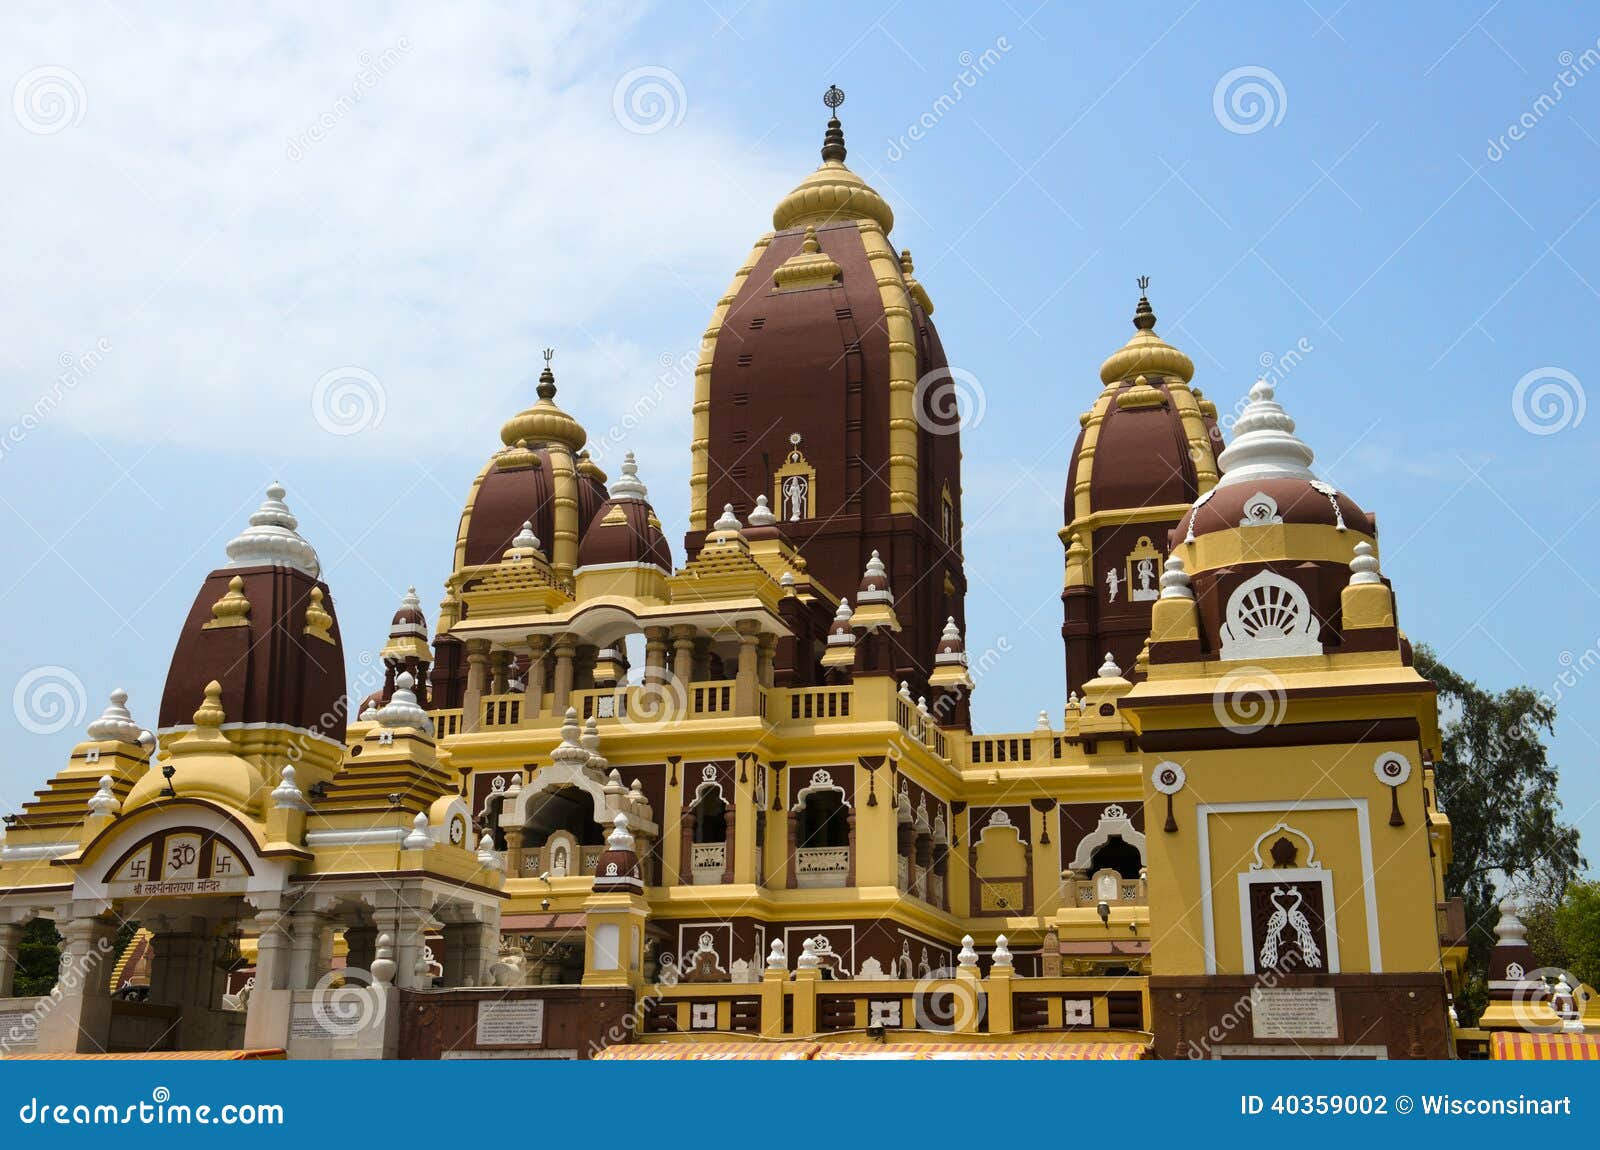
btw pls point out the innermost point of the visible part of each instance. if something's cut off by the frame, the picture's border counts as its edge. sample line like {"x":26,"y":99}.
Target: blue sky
{"x":210,"y":214}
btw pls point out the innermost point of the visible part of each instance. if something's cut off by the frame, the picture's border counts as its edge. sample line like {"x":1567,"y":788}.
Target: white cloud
{"x":428,"y":194}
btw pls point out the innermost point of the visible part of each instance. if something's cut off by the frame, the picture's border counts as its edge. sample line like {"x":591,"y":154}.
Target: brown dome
{"x":1284,"y":500}
{"x":517,"y":488}
{"x":624,"y":531}
{"x":265,"y":629}
{"x":1142,"y":456}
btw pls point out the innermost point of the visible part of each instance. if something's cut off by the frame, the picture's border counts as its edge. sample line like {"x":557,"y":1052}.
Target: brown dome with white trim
{"x":625,"y":530}
{"x":264,"y":628}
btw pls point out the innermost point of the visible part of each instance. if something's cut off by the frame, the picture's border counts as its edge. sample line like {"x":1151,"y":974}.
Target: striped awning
{"x":265,"y":1054}
{"x":1509,"y":1045}
{"x":709,"y":1052}
{"x":982,"y":1051}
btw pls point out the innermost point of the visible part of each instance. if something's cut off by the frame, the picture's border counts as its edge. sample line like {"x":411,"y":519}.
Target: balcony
{"x":821,"y":866}
{"x":1105,"y":886}
{"x":707,"y":863}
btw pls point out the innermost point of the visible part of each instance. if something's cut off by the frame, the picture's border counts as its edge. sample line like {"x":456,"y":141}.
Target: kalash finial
{"x":833,"y":139}
{"x":1144,"y":318}
{"x":547,"y":378}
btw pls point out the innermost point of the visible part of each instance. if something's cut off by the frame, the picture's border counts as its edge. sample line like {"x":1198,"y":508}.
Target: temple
{"x":619,"y":802}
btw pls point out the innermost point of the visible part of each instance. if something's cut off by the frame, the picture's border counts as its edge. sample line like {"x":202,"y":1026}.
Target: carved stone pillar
{"x":747,"y":680}
{"x":794,"y":849}
{"x":765,"y":648}
{"x":533,"y":690}
{"x":583,"y":661}
{"x":514,"y":837}
{"x":80,"y":1020}
{"x":686,"y":855}
{"x":850,"y":871}
{"x":904,"y":839}
{"x":10,"y":943}
{"x":730,"y":819}
{"x":360,"y":944}
{"x":655,"y":649}
{"x":477,"y":684}
{"x":564,"y":649}
{"x":306,"y":948}
{"x":500,"y":679}
{"x":683,"y":653}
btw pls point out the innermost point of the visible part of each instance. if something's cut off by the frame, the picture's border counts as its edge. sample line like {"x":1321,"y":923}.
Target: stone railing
{"x":784,"y":1004}
{"x":1105,"y":886}
{"x":821,"y":866}
{"x":707,"y":862}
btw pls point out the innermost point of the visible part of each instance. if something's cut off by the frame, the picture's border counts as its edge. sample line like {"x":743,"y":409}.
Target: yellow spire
{"x":233,"y":609}
{"x":1146,"y":352}
{"x":832,"y":193}
{"x":210,"y":713}
{"x":544,"y":422}
{"x":318,"y":622}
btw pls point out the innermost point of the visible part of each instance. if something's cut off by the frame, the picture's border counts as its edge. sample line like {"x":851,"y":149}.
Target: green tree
{"x":1498,"y":787}
{"x":38,"y":959}
{"x":1564,"y":930}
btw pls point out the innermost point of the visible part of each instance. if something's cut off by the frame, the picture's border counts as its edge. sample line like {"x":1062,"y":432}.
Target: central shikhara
{"x":777,"y":828}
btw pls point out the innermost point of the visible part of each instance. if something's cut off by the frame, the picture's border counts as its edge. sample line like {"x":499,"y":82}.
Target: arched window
{"x":823,"y":821}
{"x":1118,"y":855}
{"x":567,"y":809}
{"x":710,"y":815}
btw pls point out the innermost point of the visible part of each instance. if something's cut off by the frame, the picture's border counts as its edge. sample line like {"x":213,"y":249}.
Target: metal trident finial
{"x":1144,"y":283}
{"x":549,"y":354}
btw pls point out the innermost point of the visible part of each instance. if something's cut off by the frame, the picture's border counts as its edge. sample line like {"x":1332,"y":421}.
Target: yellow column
{"x":902,"y":368}
{"x":1000,"y":986}
{"x":700,"y":445}
{"x":806,"y":981}
{"x":477,"y":680}
{"x":773,"y":982}
{"x":564,"y":481}
{"x":746,"y":680}
{"x":564,"y":649}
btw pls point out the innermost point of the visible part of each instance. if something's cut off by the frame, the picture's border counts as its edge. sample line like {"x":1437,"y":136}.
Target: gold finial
{"x":210,"y":713}
{"x":905,"y":261}
{"x":833,"y":139}
{"x":1144,"y":318}
{"x":319,"y":623}
{"x":809,"y":244}
{"x":232,"y":610}
{"x":547,"y":378}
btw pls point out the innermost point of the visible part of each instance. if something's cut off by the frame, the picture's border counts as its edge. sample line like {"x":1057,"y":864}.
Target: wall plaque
{"x":1294,"y":1012}
{"x":510,"y":1023}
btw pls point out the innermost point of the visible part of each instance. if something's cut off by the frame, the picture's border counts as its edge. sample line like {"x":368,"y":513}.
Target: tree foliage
{"x":1565,"y":931}
{"x":1498,"y":787}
